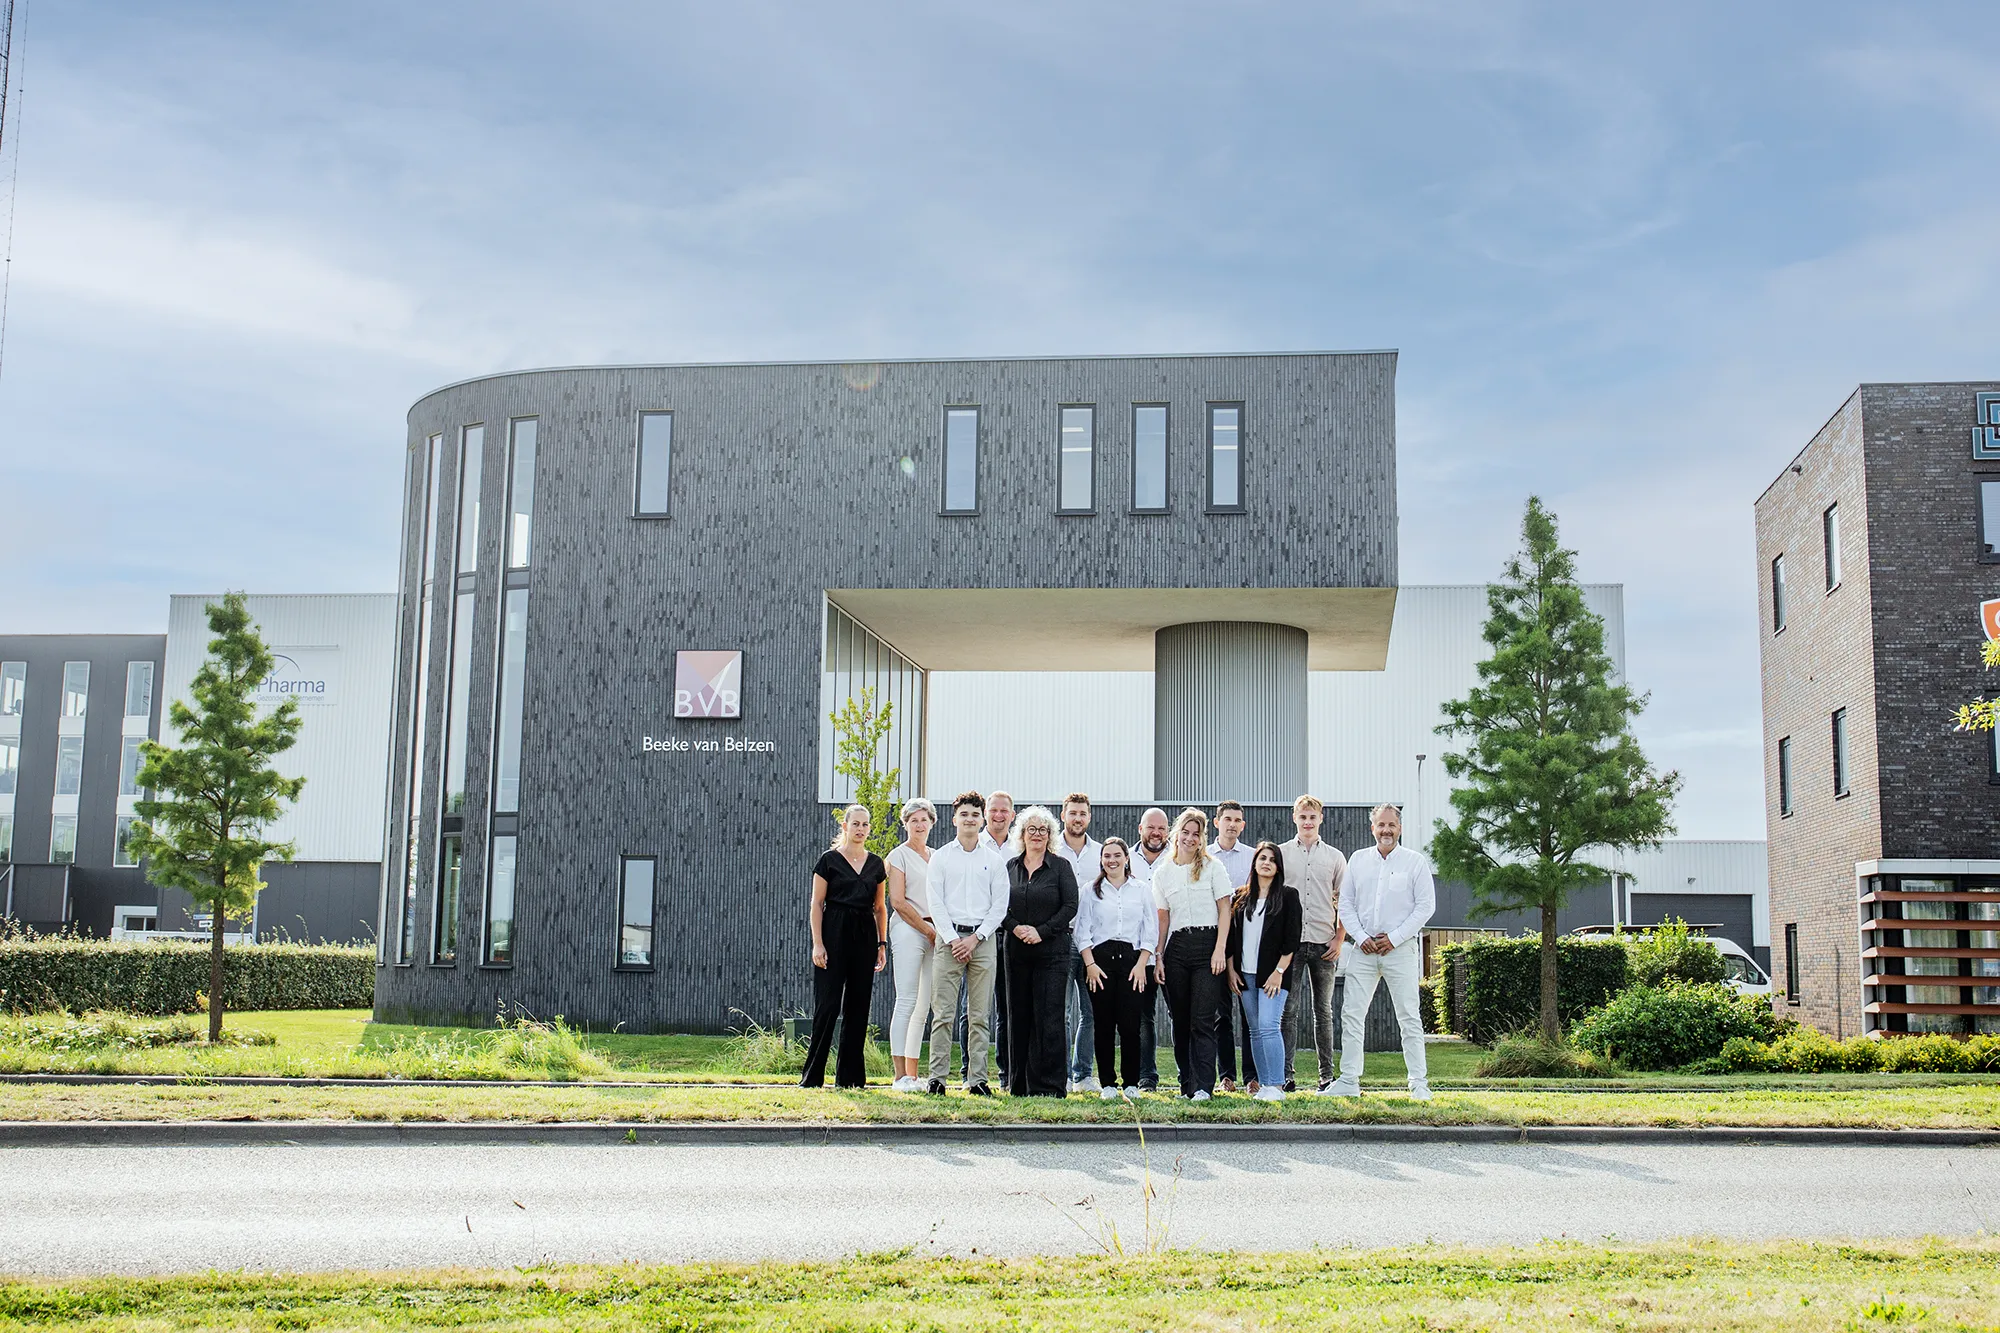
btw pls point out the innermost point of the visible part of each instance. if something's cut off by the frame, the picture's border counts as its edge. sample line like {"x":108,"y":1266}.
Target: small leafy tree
{"x":859,"y":728}
{"x":1979,"y":715}
{"x":1550,"y":772}
{"x":201,"y":828}
{"x":1669,"y":954}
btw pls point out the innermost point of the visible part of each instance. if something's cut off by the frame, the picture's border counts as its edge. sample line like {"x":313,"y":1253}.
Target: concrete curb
{"x":217,"y":1133}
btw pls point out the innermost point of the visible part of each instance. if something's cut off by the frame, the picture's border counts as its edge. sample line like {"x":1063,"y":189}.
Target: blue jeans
{"x":1082,"y":1022}
{"x":1266,"y":1015}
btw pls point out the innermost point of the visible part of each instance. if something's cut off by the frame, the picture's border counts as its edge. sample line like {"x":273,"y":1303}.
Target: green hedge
{"x":1810,"y":1051}
{"x":1490,"y":987}
{"x":171,"y":976}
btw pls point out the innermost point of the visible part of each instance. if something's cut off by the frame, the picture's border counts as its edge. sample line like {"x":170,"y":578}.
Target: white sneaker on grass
{"x":1108,"y":1094}
{"x":1338,"y":1089}
{"x":1200,"y":1095}
{"x":1420,"y":1094}
{"x":1086,"y":1085}
{"x":1269,"y":1094}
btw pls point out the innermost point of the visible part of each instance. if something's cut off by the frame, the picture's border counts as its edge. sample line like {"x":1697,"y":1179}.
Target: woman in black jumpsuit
{"x":850,"y":944}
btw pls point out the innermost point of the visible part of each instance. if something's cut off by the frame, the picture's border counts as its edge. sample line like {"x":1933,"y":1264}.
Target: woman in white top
{"x":1192,"y":892}
{"x":1117,"y":931}
{"x":911,"y":938}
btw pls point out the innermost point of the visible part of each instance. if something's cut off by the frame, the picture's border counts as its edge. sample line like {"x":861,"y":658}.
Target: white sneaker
{"x":904,"y":1084}
{"x":1134,"y":1093}
{"x":1086,"y":1085}
{"x":1200,"y":1095}
{"x":1341,"y":1090}
{"x":1108,"y":1094}
{"x":1420,"y":1094}
{"x":1270,"y":1094}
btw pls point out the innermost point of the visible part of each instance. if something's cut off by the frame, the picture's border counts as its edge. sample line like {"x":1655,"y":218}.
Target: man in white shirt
{"x":1077,"y":847}
{"x":1234,"y":855}
{"x":1150,"y":851}
{"x":968,"y":890}
{"x":998,"y":836}
{"x":1315,"y":868}
{"x":1385,"y":900}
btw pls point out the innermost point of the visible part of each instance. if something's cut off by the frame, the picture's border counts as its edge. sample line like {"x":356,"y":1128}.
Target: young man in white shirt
{"x":1150,"y":851}
{"x":998,"y":836}
{"x":1082,"y":851}
{"x":1234,"y":856}
{"x":968,"y":890}
{"x":1385,"y":901}
{"x":1315,"y":868}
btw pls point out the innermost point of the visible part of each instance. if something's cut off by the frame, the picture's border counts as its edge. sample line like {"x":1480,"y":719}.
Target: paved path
{"x":140,"y":1210}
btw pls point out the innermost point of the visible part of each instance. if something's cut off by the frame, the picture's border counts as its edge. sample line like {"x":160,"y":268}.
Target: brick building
{"x":1875,"y":547}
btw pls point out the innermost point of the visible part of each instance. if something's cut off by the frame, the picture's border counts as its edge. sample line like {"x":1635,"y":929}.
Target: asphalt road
{"x":172,"y":1209}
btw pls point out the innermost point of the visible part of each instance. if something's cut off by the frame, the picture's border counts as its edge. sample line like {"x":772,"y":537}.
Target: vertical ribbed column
{"x":1229,"y":712}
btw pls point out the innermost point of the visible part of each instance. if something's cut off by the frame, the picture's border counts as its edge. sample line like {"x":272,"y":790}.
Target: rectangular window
{"x":121,"y":854}
{"x":961,"y":460}
{"x":1149,"y":458}
{"x":130,"y":761}
{"x":507,"y":714}
{"x":500,"y":903}
{"x":69,"y":765}
{"x":520,"y":492}
{"x":1989,"y":522}
{"x":651,"y":485}
{"x":635,"y":913}
{"x":62,"y":839}
{"x":1792,"y":963}
{"x":1840,"y":752}
{"x":1829,"y":525}
{"x":1777,"y":592}
{"x":13,"y":688}
{"x":428,"y":537}
{"x":471,"y":457}
{"x":139,"y":689}
{"x":76,"y":689}
{"x":458,"y":706}
{"x":1076,"y":461}
{"x":6,"y":838}
{"x":1784,"y":776}
{"x":444,"y":921}
{"x":1225,"y":458}
{"x":10,"y":764}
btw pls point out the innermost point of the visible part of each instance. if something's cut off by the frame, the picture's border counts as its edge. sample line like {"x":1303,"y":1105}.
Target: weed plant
{"x":1531,"y":1055}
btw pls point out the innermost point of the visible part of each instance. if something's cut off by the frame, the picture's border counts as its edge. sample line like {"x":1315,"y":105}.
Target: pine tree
{"x":201,"y":828}
{"x":859,"y":728}
{"x":1550,"y":774}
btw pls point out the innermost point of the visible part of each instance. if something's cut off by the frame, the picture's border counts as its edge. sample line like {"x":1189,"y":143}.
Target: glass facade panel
{"x":458,"y":707}
{"x":120,"y":856}
{"x":1830,"y":539}
{"x":507,"y":715}
{"x":653,"y":484}
{"x":6,"y":838}
{"x":1076,"y":460}
{"x":1149,"y":458}
{"x":130,"y":761}
{"x":10,"y":764}
{"x":1840,"y":752}
{"x":471,"y":458}
{"x":13,"y":688}
{"x":1777,"y":593}
{"x":1225,"y":456}
{"x":1792,"y":963}
{"x":856,"y":660}
{"x":76,"y":689}
{"x":138,"y":689}
{"x":520,"y":493}
{"x":62,"y":839}
{"x":635,"y":913}
{"x":1784,"y":775}
{"x":1989,"y":520}
{"x":444,"y":920}
{"x":69,"y":765}
{"x":961,"y":460}
{"x":405,"y":906}
{"x":500,"y":902}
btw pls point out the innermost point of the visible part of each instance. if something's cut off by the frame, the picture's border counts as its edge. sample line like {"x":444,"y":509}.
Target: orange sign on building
{"x":1989,"y":617}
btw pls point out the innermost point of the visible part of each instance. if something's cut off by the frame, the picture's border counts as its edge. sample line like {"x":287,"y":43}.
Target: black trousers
{"x":1194,"y":999}
{"x":841,"y":993}
{"x":1116,"y":1010}
{"x":1149,"y":1040}
{"x":1037,"y":1054}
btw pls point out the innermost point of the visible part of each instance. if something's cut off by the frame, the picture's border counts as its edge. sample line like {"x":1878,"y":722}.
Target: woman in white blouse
{"x":1117,"y":930}
{"x":911,"y":938}
{"x":1192,"y":892}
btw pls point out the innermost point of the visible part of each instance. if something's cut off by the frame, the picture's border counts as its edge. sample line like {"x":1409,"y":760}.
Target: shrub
{"x":1809,"y":1051}
{"x":1494,"y":986}
{"x":1648,"y":1027}
{"x":1939,"y":1054}
{"x":171,"y":976}
{"x":1531,"y":1055}
{"x":1669,"y":954}
{"x":114,"y":1032}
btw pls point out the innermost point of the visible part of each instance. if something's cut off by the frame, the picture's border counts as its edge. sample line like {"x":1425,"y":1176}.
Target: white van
{"x":1743,"y":976}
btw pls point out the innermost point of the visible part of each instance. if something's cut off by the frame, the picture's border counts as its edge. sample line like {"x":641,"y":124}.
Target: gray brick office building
{"x":630,"y":596}
{"x":1875,"y":547}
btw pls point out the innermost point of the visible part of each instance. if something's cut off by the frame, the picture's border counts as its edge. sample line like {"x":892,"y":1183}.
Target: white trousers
{"x":1402,"y":968}
{"x":911,"y":953}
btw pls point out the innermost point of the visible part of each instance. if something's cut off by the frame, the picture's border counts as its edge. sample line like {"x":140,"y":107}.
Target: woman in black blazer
{"x":1041,"y":906}
{"x":1264,"y":924}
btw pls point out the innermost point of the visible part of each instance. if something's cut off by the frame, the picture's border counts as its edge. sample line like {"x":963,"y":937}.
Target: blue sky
{"x":1631,"y":258}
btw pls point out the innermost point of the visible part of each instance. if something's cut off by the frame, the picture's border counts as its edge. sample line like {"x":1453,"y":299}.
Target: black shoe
{"x":1291,"y":1085}
{"x":935,"y":1087}
{"x":979,"y":1090}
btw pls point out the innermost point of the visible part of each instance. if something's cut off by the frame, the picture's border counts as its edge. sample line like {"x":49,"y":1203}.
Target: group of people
{"x":1064,"y":943}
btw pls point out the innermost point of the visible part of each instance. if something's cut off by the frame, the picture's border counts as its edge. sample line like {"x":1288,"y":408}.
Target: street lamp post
{"x":1419,"y":803}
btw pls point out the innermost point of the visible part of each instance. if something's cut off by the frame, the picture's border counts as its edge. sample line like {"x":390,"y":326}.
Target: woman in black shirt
{"x":1041,"y":905}
{"x":850,"y":935}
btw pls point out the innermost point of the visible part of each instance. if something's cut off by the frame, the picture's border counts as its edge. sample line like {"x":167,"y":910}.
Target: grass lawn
{"x":1775,"y":1288}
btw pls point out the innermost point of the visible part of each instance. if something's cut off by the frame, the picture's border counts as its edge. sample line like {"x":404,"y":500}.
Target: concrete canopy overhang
{"x":1109,"y":629}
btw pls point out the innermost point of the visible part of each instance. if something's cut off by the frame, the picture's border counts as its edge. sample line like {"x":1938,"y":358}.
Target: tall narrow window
{"x":444,"y":914}
{"x":13,"y":688}
{"x":419,"y":721}
{"x":652,"y":489}
{"x":500,"y":902}
{"x":62,"y":839}
{"x":1829,"y":529}
{"x":10,"y":764}
{"x":69,"y":765}
{"x":1840,"y":752}
{"x":520,"y":492}
{"x":458,"y":707}
{"x":1989,"y":522}
{"x":1149,"y":458}
{"x":1225,"y":457}
{"x":1792,"y":962}
{"x":635,"y":913}
{"x":130,"y":761}
{"x":121,"y":851}
{"x":76,"y":689}
{"x":961,"y":460}
{"x":1777,"y":592}
{"x":1784,"y":776}
{"x":471,"y":458}
{"x":139,"y":689}
{"x":507,"y":716}
{"x":1076,"y":461}
{"x":6,"y":838}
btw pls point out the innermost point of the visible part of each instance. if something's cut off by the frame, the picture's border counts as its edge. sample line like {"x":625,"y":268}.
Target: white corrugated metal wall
{"x":1695,"y":865}
{"x":343,"y":746}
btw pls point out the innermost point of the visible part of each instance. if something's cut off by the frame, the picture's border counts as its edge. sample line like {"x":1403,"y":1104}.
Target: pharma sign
{"x":708,"y":684}
{"x":309,"y":675}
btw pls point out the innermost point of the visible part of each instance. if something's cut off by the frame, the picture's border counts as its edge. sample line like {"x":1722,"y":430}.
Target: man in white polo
{"x":1385,"y":899}
{"x":998,"y":836}
{"x":968,"y":894}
